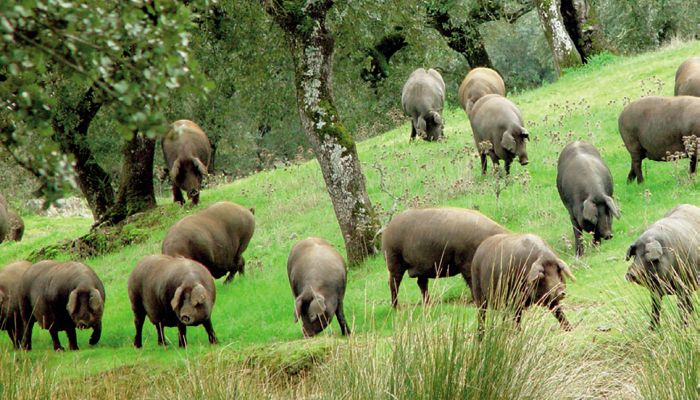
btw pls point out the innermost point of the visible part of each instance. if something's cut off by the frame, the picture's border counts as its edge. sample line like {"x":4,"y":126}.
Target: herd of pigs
{"x":503,"y":270}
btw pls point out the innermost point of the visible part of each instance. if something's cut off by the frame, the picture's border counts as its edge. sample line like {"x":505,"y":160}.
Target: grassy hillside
{"x":610,"y":354}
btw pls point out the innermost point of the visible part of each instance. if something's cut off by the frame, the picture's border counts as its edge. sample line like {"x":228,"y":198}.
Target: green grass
{"x":416,"y":350}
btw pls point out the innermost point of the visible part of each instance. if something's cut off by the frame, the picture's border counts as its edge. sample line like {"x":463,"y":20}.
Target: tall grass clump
{"x":439,"y":357}
{"x":667,"y":358}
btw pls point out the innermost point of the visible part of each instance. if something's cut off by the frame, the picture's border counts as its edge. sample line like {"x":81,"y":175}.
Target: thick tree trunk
{"x":462,"y":38}
{"x":136,"y":192}
{"x":70,"y":126}
{"x":311,"y":46}
{"x":563,"y":49}
{"x":581,"y":22}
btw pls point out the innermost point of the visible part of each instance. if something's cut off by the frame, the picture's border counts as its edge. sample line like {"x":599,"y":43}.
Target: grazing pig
{"x":422,"y":98}
{"x":688,"y":78}
{"x":10,"y":318}
{"x":16,"y":226}
{"x":478,"y":83}
{"x":666,"y":259}
{"x":497,"y":125}
{"x":171,"y":291}
{"x":431,"y":243}
{"x":515,"y":271}
{"x":654,"y":127}
{"x":585,"y":187}
{"x":4,"y":224}
{"x":317,"y":276}
{"x":216,"y":237}
{"x":61,"y":296}
{"x":186,"y":150}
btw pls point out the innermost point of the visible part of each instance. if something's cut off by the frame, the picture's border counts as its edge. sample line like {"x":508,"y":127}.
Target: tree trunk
{"x":380,"y":55}
{"x":581,"y":22}
{"x":311,"y":45}
{"x":464,"y":39}
{"x":70,"y":124}
{"x":563,"y":49}
{"x":136,"y":192}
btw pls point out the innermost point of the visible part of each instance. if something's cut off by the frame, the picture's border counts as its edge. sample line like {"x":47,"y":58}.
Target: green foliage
{"x":133,"y":53}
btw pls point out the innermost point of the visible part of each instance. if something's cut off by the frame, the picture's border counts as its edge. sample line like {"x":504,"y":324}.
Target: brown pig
{"x":16,"y":226}
{"x":688,"y":78}
{"x":656,"y":127}
{"x":499,"y":131}
{"x":515,"y":271}
{"x":171,"y":291}
{"x":433,"y":242}
{"x":10,"y":318}
{"x":61,"y":296}
{"x":187,"y":152}
{"x":216,"y":237}
{"x":478,"y":83}
{"x":317,"y":276}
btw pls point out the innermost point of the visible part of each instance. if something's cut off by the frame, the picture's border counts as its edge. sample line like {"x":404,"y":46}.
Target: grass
{"x":416,"y":350}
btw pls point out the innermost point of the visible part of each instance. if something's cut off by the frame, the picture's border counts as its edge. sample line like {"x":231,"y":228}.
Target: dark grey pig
{"x":688,"y":78}
{"x":187,"y":152}
{"x":10,"y":318}
{"x":61,"y":296}
{"x":586,"y":187}
{"x":654,"y":127}
{"x":422,"y":98}
{"x":317,"y":275}
{"x":171,"y":291}
{"x":666,"y":259}
{"x":515,"y":271}
{"x":433,"y":242}
{"x":498,"y":128}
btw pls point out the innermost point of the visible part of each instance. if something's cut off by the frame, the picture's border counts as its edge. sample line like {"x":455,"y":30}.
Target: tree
{"x":563,"y":49}
{"x":61,"y":63}
{"x":581,"y":23}
{"x":311,"y":45}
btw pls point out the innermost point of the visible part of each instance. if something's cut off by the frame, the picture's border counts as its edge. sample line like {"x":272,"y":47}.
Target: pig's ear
{"x":653,"y":251}
{"x":524,"y":133}
{"x":72,"y":301}
{"x":297,"y":309}
{"x":536,"y":271}
{"x":566,"y":270}
{"x":590,"y":211}
{"x":507,"y":141}
{"x":175,"y":170}
{"x":200,"y":166}
{"x":630,"y":251}
{"x":198,"y":295}
{"x":613,"y":208}
{"x":176,"y":298}
{"x":317,"y":307}
{"x":96,"y":302}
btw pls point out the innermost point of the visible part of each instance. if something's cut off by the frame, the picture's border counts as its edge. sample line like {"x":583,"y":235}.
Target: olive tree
{"x":62,"y":63}
{"x":311,"y":44}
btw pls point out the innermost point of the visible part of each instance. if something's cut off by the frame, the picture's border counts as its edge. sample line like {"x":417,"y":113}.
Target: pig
{"x":498,"y":128}
{"x":61,"y":296}
{"x":187,"y":152}
{"x":515,"y":271}
{"x":478,"y":83}
{"x":317,"y":275}
{"x":16,"y":226}
{"x":654,"y":127}
{"x":216,"y":237}
{"x":688,"y":78}
{"x":10,"y":318}
{"x":4,"y":224}
{"x":171,"y":291}
{"x":585,"y":187}
{"x":666,"y":260}
{"x":423,"y":98}
{"x":431,"y":243}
